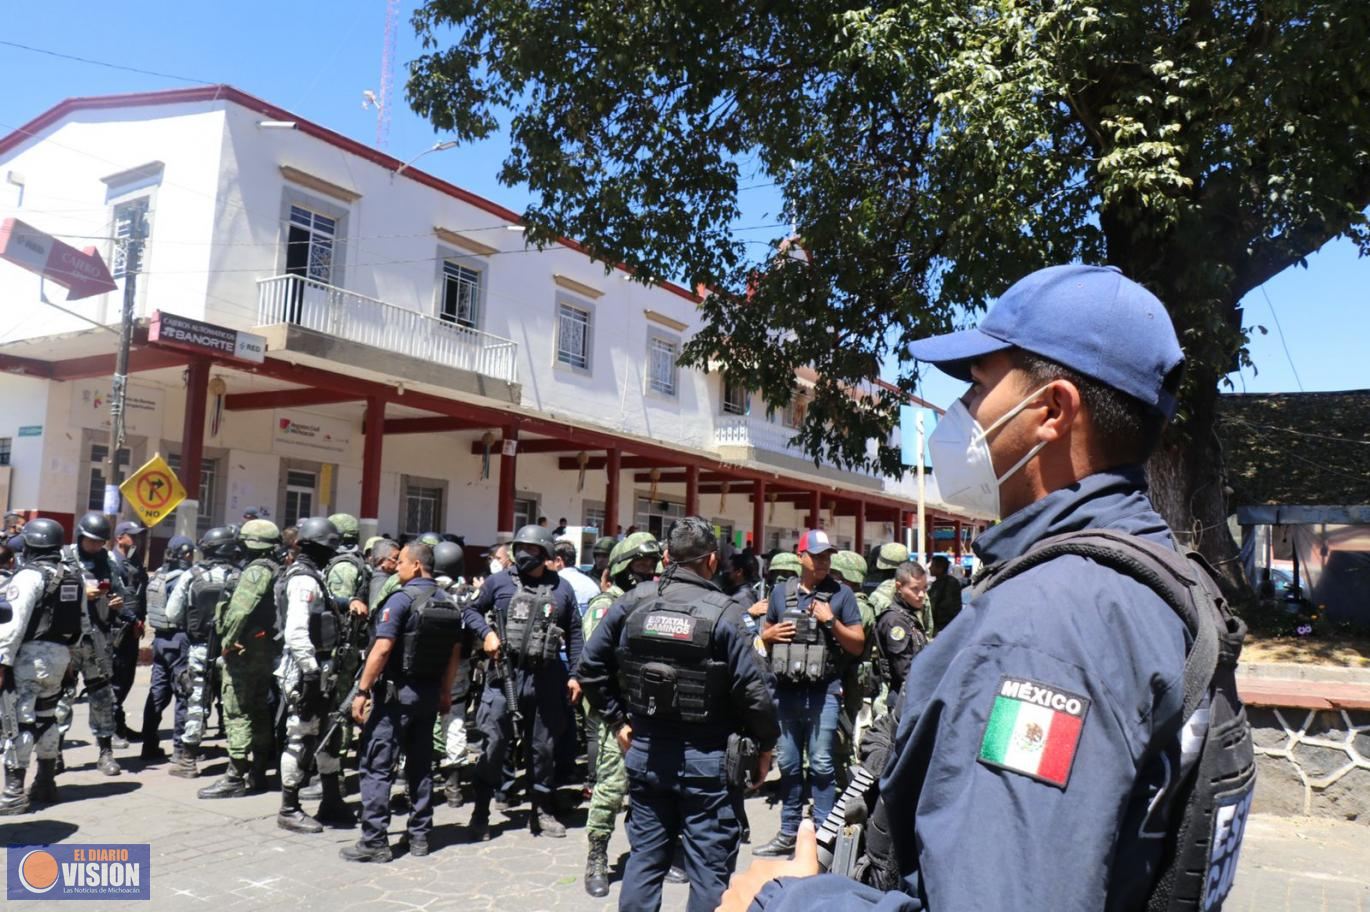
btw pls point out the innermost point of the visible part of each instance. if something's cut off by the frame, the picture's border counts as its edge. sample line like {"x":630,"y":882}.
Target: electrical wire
{"x":102,"y":63}
{"x":1283,"y":344}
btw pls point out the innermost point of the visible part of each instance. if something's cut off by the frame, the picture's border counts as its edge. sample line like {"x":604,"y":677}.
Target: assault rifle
{"x":841,"y":838}
{"x":506,"y":673}
{"x":342,"y":713}
{"x":9,"y":714}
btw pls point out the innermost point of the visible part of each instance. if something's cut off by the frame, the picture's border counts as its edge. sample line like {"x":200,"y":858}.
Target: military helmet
{"x":639,"y":544}
{"x":371,"y":543}
{"x":347,"y":527}
{"x":449,"y":560}
{"x":94,"y":525}
{"x":850,"y":566}
{"x":890,"y":556}
{"x":785,"y":562}
{"x":535,"y":535}
{"x":220,"y":540}
{"x":43,"y":535}
{"x":431,"y":539}
{"x":318,"y":531}
{"x":259,"y":535}
{"x":604,"y":545}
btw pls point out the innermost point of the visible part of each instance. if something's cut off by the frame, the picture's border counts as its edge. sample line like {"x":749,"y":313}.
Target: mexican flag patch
{"x":1034,"y":729}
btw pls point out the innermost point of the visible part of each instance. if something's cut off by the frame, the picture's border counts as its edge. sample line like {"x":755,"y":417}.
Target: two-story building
{"x":423,"y":367}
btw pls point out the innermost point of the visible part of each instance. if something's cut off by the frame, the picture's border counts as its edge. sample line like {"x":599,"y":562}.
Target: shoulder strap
{"x":1176,"y":578}
{"x":792,"y":594}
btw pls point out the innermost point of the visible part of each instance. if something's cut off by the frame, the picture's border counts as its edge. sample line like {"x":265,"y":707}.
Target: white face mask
{"x":495,"y":566}
{"x":959,"y":448}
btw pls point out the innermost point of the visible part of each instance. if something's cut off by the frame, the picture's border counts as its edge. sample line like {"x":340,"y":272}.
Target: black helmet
{"x":536,"y":535}
{"x":220,"y":542}
{"x":94,"y":525}
{"x":42,"y":536}
{"x":319,"y":532}
{"x":179,"y":549}
{"x":448,"y":560}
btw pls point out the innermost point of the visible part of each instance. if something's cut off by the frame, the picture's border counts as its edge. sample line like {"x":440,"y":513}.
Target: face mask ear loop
{"x":1008,"y":416}
{"x":1022,"y":462}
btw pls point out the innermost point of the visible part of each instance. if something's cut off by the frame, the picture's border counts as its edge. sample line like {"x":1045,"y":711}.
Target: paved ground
{"x":229,"y":855}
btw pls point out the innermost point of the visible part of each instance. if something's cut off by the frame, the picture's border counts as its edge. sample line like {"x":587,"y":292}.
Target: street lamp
{"x":436,"y":147}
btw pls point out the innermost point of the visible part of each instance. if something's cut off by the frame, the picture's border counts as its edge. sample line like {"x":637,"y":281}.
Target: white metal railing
{"x":755,"y":431}
{"x":347,"y":315}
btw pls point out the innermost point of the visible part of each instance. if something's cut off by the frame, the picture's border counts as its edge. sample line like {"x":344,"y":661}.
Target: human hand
{"x":361,"y":708}
{"x":624,"y":737}
{"x":778,"y":633}
{"x":822,"y":612}
{"x":760,"y":608}
{"x":744,"y":886}
{"x":491,"y":644}
{"x":359,"y":608}
{"x":573,"y":690}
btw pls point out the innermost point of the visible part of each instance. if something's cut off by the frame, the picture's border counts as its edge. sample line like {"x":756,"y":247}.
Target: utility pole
{"x":133,"y":255}
{"x":922,"y":488}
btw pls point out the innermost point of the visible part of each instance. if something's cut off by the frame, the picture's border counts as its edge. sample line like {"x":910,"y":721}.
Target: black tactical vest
{"x":533,"y":639}
{"x":433,"y":628}
{"x":813,"y":656}
{"x":666,"y":664}
{"x":57,"y":616}
{"x":324,"y":624}
{"x":159,"y":588}
{"x":202,"y":598}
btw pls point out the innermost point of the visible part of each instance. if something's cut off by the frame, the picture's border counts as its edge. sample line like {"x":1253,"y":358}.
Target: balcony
{"x":753,"y":438}
{"x":345,"y":316}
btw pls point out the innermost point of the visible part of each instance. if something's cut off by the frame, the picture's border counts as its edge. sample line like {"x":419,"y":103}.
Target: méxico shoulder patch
{"x":1034,"y":729}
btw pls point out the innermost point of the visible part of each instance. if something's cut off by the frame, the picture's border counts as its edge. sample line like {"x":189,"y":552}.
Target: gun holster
{"x":739,"y":764}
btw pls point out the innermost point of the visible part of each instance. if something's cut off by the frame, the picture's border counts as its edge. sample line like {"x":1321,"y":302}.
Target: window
{"x":573,"y":336}
{"x":299,"y":495}
{"x":594,"y":516}
{"x":656,"y":516}
{"x":5,"y":445}
{"x":525,"y":512}
{"x":209,"y":471}
{"x":661,"y":367}
{"x":309,"y":245}
{"x":460,"y":295}
{"x":422,"y":509}
{"x":99,"y":452}
{"x":130,"y":218}
{"x":794,"y":412}
{"x":736,"y":401}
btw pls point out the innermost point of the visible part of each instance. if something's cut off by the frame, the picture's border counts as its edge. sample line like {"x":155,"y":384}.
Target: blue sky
{"x":317,"y":58}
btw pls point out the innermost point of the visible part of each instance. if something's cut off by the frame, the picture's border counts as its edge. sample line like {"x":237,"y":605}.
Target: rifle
{"x":841,"y":838}
{"x":501,"y":663}
{"x":342,"y":713}
{"x":9,"y":716}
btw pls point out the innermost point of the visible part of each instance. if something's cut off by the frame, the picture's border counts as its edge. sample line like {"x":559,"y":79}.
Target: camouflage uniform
{"x":859,"y":680}
{"x":611,"y":779}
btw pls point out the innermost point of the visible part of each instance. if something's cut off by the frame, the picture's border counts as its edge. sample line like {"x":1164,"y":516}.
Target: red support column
{"x":371,"y":459}
{"x":193,"y":430}
{"x":759,"y":517}
{"x":508,"y":465}
{"x":692,"y":490}
{"x":860,"y":540}
{"x":956,"y":546}
{"x":815,"y":509}
{"x":613,"y":467}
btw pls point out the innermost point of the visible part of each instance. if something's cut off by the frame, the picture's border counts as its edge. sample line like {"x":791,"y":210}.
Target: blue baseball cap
{"x":1092,"y":319}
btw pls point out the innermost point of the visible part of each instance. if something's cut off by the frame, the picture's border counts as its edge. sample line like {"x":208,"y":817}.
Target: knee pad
{"x":47,"y":706}
{"x":92,"y":685}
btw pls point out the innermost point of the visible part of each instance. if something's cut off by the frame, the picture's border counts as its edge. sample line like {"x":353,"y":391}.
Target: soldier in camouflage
{"x":887,"y":560}
{"x":859,"y":683}
{"x":246,"y":627}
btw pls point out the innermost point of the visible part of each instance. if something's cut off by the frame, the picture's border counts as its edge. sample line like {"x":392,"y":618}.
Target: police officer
{"x":898,"y":630}
{"x":675,"y":678}
{"x":170,"y":651}
{"x":129,"y":556}
{"x":92,"y":657}
{"x":408,"y":682}
{"x":632,"y":561}
{"x":536,"y":612}
{"x":311,"y":634}
{"x":813,"y":626}
{"x":191,"y":608}
{"x":245,"y":625}
{"x":45,"y":605}
{"x":1038,"y":759}
{"x":449,"y":732}
{"x":944,"y":591}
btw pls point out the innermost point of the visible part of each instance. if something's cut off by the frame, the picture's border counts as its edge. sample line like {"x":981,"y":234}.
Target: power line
{"x":1283,"y":344}
{"x":102,"y":63}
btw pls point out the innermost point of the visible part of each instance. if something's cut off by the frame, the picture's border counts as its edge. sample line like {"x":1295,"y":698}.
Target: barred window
{"x":661,"y":366}
{"x":573,"y":336}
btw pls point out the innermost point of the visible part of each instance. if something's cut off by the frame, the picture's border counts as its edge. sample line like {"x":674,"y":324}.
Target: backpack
{"x":1218,"y":772}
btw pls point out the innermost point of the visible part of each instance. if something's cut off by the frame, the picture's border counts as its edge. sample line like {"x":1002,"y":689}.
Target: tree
{"x":929,"y":154}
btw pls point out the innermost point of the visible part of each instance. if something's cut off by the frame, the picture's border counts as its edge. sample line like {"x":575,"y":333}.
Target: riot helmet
{"x":449,"y":560}
{"x":94,"y":526}
{"x":220,"y":543}
{"x":42,"y":538}
{"x":180,"y":551}
{"x":529,"y":538}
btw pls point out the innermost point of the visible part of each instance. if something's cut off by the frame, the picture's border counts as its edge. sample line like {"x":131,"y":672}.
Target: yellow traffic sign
{"x":153,"y":491}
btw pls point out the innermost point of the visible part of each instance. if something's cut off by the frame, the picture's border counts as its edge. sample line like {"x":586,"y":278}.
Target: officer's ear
{"x":1062,"y":399}
{"x":713,"y":565}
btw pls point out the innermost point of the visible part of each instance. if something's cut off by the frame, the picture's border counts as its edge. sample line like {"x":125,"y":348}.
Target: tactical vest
{"x":325,"y":626}
{"x":202,"y":598}
{"x":667,"y":669}
{"x":530,"y":634}
{"x":813,"y":656}
{"x":159,"y":587}
{"x":57,"y":616}
{"x":430,"y":633}
{"x":882,"y":661}
{"x":97,"y":608}
{"x":1217,"y":772}
{"x":363,"y":587}
{"x":263,"y":615}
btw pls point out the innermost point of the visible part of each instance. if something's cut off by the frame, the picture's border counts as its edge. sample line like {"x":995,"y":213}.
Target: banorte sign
{"x":205,"y":338}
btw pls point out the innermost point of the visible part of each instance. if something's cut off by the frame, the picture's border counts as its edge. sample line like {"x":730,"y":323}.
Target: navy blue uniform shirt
{"x":498,"y":589}
{"x":844,"y":609}
{"x":395,"y":620}
{"x":981,"y":821}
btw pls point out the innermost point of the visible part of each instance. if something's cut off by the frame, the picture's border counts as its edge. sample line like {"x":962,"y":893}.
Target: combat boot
{"x":232,"y":785}
{"x":185,"y":768}
{"x":152,"y":752}
{"x":543,"y":821}
{"x":291,"y":818}
{"x":256,"y":779}
{"x":453,"y":789}
{"x":781,"y":846}
{"x":61,"y":764}
{"x":13,"y":801}
{"x":597,"y":866}
{"x":478,"y":829}
{"x":333,"y":811}
{"x":44,"y":788}
{"x":106,"y":763}
{"x":312,"y":789}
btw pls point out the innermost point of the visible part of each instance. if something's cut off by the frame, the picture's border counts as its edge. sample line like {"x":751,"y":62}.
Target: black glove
{"x":311,"y":690}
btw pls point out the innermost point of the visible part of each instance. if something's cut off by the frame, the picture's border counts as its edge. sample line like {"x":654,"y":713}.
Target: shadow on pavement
{"x":36,"y":832}
{"x":83,"y":792}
